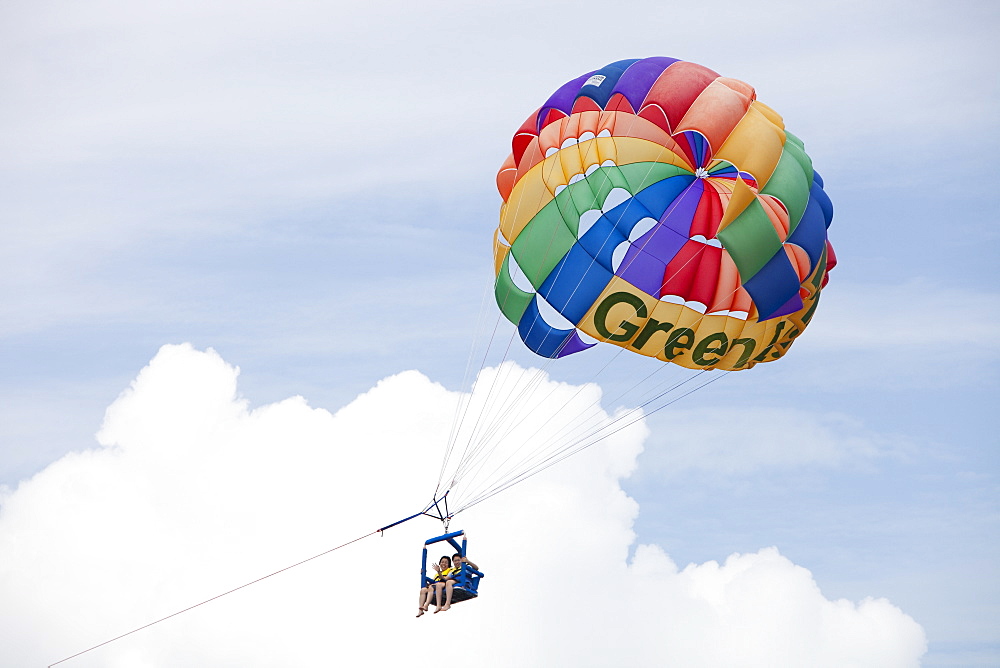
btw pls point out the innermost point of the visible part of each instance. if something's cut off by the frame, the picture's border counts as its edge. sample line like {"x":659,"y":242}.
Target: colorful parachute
{"x":658,"y":206}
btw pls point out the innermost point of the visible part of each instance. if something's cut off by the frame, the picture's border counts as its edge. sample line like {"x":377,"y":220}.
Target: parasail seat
{"x":466,"y":581}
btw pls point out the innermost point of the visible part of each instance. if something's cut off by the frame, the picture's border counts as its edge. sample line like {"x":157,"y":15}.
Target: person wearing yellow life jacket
{"x":442,"y":581}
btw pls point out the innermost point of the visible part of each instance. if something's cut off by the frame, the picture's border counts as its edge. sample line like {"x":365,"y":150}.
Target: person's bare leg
{"x":424,"y":600}
{"x":449,"y":586}
{"x":439,"y":586}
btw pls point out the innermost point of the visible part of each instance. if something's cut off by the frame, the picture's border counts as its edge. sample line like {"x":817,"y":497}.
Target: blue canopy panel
{"x":575,"y":283}
{"x":810,"y":234}
{"x":817,"y":193}
{"x":616,"y":226}
{"x":775,"y":288}
{"x":660,"y":196}
{"x":600,"y":90}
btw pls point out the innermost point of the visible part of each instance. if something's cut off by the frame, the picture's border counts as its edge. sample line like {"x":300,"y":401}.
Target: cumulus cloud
{"x":193,"y":492}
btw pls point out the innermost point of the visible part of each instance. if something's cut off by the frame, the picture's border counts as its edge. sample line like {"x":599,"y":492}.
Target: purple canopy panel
{"x":574,"y":345}
{"x":660,"y":244}
{"x":643,"y":270}
{"x":640,"y":77}
{"x":680,"y":214}
{"x":791,"y":306}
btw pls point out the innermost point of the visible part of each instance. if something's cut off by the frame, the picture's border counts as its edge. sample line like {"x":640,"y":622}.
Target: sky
{"x":305,"y":191}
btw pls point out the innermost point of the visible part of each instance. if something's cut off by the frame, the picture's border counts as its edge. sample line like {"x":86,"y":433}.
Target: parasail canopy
{"x":658,"y":206}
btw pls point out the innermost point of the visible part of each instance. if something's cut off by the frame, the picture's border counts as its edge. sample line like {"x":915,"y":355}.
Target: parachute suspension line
{"x":580,"y":447}
{"x":499,"y":419}
{"x":511,"y":425}
{"x":476,"y":457}
{"x":572,"y":430}
{"x":471,"y":450}
{"x":576,"y":431}
{"x":486,"y":353}
{"x":642,"y":416}
{"x":472,"y":395}
{"x":580,"y":389}
{"x":545,"y":451}
{"x":465,"y":393}
{"x":488,"y":402}
{"x":498,"y":431}
{"x":481,"y":416}
{"x":493,"y":423}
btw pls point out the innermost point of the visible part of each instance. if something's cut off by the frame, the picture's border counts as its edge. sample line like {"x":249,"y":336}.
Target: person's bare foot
{"x":445,"y":608}
{"x":422,"y":611}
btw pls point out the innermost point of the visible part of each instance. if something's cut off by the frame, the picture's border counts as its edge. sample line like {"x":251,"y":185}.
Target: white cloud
{"x":193,"y":493}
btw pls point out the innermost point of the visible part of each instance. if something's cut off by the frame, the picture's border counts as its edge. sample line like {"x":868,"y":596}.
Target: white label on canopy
{"x":595,"y":80}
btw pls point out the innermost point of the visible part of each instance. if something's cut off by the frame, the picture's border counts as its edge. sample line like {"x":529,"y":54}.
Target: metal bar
{"x":407,"y":519}
{"x":423,"y":568}
{"x":447,"y":536}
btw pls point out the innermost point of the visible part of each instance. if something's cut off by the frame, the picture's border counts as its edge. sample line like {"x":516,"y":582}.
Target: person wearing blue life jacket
{"x":459,"y":560}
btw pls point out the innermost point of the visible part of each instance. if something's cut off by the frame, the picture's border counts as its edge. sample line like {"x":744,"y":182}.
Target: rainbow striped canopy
{"x":655,"y":205}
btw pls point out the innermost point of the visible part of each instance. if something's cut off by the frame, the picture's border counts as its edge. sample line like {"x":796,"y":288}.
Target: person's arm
{"x":471,"y":565}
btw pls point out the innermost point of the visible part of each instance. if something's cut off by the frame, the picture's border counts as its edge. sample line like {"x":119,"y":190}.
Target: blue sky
{"x":271,"y":179}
